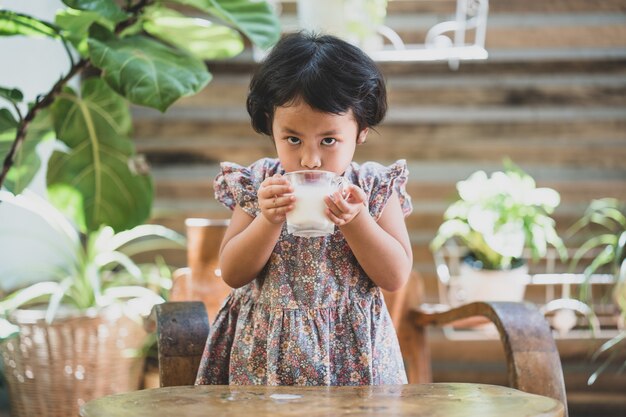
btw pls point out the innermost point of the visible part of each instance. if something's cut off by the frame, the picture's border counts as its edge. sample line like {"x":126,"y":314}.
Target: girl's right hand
{"x":273,"y":201}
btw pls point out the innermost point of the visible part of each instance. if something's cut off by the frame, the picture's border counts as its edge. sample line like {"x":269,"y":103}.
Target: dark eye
{"x":293,"y":140}
{"x":328,"y":141}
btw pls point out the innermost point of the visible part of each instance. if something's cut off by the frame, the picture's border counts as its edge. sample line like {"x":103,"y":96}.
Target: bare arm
{"x":249,"y":241}
{"x":382,"y":248}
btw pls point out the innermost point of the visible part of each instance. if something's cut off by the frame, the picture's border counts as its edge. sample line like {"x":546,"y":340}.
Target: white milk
{"x":308,"y":217}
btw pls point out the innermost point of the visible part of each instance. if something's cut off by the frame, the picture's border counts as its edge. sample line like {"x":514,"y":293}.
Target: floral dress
{"x":312,"y":316}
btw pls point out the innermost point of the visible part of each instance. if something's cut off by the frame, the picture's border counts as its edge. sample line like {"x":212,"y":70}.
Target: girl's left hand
{"x":342,"y":210}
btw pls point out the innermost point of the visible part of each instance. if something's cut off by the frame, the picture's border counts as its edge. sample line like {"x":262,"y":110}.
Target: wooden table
{"x":427,"y":400}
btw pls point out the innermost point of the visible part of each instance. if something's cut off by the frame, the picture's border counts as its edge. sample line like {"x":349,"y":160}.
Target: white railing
{"x":445,"y":41}
{"x":569,"y":316}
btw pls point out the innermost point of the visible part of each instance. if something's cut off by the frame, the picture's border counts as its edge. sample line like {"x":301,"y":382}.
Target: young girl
{"x":309,"y":311}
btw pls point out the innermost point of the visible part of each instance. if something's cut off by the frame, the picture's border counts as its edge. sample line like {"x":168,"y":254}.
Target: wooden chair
{"x":532,"y":359}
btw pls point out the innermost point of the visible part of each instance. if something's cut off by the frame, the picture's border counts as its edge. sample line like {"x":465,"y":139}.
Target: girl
{"x":309,"y":311}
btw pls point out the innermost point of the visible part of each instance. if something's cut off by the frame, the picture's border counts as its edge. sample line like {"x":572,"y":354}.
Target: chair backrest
{"x":182,"y":331}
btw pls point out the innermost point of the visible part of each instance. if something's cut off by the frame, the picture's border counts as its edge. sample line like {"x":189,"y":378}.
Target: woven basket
{"x":52,"y":369}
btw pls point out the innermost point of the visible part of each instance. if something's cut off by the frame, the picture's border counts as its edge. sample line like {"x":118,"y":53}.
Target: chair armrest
{"x":182,"y":331}
{"x":532,"y":358}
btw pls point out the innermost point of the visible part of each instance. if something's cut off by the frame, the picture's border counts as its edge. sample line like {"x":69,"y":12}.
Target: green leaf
{"x":12,"y":24}
{"x":609,"y":344}
{"x":27,"y":295}
{"x":13,"y":94}
{"x":254,"y":18}
{"x":146,"y":72}
{"x":606,"y":239}
{"x":75,"y":26}
{"x":98,"y":167}
{"x":147,"y":237}
{"x":7,"y":122}
{"x":26,"y":162}
{"x":105,"y":8}
{"x":7,"y":330}
{"x":603,"y":258}
{"x":620,"y":251}
{"x":200,"y":37}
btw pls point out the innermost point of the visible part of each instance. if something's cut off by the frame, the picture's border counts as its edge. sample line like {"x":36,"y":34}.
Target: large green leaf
{"x":254,"y":18}
{"x":200,"y":37}
{"x":96,"y":176}
{"x":12,"y":23}
{"x":105,"y":8}
{"x":75,"y":26}
{"x":26,"y":162}
{"x":145,"y":71}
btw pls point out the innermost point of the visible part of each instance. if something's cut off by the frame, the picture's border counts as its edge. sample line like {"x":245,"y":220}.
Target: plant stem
{"x":20,"y":135}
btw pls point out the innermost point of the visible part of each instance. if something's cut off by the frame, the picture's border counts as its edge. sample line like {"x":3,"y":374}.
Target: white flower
{"x":508,"y":239}
{"x":545,"y":197}
{"x":475,"y":188}
{"x":482,"y":220}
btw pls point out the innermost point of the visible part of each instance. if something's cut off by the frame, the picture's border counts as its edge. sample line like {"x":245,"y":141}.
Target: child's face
{"x":309,"y":139}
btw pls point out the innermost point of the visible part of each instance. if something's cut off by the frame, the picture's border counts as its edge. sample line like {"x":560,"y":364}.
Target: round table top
{"x":427,"y":400}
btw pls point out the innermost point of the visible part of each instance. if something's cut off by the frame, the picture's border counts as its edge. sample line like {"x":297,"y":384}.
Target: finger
{"x":359,"y":191}
{"x":283,"y":201}
{"x":274,"y":180}
{"x":278,"y":202}
{"x":356,"y":194}
{"x":339,"y":216}
{"x":341,"y":204}
{"x":332,"y":206}
{"x":275,"y":190}
{"x":338,"y":220}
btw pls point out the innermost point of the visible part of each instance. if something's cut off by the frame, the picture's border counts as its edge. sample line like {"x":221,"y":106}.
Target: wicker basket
{"x":52,"y":369}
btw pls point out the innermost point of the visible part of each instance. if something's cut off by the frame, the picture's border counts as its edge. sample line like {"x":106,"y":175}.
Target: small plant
{"x":605,"y":219}
{"x":83,"y":272}
{"x":497,"y":217}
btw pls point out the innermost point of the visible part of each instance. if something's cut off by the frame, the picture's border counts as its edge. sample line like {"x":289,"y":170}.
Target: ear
{"x":362,"y":136}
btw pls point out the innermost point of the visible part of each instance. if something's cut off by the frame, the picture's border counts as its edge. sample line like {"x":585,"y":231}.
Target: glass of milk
{"x":307,"y":219}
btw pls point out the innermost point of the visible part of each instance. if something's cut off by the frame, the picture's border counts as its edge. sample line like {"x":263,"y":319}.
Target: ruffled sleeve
{"x":379,"y":182}
{"x":238,"y":185}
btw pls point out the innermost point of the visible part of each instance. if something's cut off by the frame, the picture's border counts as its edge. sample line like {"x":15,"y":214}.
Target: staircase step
{"x":487,"y":136}
{"x":587,"y":90}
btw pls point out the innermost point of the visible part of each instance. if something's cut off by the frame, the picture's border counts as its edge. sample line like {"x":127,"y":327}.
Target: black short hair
{"x":326,"y":72}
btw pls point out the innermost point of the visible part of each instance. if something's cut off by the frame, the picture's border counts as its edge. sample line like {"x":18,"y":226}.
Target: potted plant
{"x":496,"y":219}
{"x":69,"y":335}
{"x":146,"y":53}
{"x":605,"y":224}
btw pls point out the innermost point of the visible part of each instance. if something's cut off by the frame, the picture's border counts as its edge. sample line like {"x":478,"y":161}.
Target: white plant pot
{"x":487,"y":285}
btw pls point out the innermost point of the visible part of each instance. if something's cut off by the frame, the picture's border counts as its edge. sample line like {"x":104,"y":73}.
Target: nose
{"x":310,"y":160}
